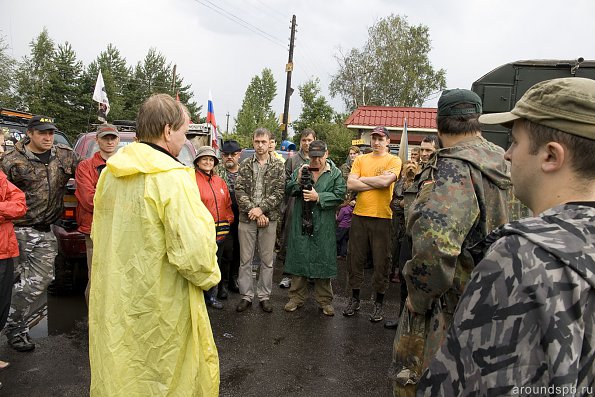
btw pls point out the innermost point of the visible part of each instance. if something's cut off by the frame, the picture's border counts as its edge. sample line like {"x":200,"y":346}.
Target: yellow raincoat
{"x":154,"y":254}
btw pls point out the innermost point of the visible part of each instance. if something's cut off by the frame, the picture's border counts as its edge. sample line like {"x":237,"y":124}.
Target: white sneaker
{"x":285,"y":283}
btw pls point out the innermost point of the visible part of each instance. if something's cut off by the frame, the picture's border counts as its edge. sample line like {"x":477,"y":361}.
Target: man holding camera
{"x":319,"y":188}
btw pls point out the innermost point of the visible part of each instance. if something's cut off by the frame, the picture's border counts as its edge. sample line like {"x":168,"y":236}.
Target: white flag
{"x":99,"y":95}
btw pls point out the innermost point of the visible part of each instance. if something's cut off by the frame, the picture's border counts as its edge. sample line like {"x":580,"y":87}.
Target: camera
{"x":306,"y":182}
{"x":306,"y":179}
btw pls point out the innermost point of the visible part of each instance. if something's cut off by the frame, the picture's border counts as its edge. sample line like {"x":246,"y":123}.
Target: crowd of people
{"x":490,"y":304}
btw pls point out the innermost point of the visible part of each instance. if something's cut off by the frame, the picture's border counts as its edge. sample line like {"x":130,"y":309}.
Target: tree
{"x":154,"y":75}
{"x":33,"y":72}
{"x":256,"y":110}
{"x":320,"y":116}
{"x":315,"y":108}
{"x":392,"y":69}
{"x":7,"y":72}
{"x":64,"y":99}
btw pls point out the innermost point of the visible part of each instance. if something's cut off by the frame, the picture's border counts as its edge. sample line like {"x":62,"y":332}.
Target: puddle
{"x":57,"y":315}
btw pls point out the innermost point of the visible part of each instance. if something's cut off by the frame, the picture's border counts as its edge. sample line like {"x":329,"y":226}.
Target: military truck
{"x":501,"y":88}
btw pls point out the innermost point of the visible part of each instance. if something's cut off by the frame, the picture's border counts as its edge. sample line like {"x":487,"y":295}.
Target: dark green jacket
{"x":315,"y":256}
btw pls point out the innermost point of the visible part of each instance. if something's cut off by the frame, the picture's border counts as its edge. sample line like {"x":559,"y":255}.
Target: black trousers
{"x":6,"y":282}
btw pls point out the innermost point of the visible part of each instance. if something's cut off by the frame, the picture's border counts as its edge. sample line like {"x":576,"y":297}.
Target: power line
{"x":267,"y":7}
{"x":240,"y":21}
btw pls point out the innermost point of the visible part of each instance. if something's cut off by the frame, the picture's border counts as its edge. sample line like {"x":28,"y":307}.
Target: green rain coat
{"x":154,"y":254}
{"x":315,"y":256}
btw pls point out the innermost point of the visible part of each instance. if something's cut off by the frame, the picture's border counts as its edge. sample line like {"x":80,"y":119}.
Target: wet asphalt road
{"x":303,"y":353}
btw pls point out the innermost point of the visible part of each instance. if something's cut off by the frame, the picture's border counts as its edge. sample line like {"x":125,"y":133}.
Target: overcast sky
{"x":213,"y":51}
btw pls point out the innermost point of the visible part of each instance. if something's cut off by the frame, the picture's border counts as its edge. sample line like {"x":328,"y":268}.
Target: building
{"x":420,"y":122}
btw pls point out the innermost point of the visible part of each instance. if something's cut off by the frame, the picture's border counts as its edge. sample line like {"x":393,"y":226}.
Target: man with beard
{"x":230,"y":152}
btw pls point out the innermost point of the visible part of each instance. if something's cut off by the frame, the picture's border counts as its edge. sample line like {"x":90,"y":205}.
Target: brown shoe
{"x":266,"y":306}
{"x":243,"y":305}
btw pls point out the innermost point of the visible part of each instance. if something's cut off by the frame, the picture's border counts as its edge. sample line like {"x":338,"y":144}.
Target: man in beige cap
{"x":525,"y":324}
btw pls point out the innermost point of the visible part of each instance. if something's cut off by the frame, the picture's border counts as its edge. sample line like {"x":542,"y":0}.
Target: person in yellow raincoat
{"x":155,"y":254}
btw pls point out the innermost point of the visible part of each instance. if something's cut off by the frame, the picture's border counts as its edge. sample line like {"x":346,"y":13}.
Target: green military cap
{"x":566,"y":104}
{"x":457,"y":96}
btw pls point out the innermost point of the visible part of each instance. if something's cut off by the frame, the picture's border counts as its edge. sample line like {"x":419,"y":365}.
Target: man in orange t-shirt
{"x":372,"y":176}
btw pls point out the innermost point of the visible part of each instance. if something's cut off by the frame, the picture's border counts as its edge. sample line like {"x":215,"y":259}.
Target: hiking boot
{"x":378,"y":313}
{"x":292,"y":306}
{"x":285,"y":283}
{"x":243,"y":305}
{"x":266,"y":306}
{"x":328,"y":310}
{"x":351,"y":308}
{"x":210,"y":300}
{"x":21,"y":342}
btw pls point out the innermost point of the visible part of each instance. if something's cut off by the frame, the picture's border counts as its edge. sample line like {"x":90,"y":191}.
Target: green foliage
{"x":315,"y":107}
{"x":337,"y":137}
{"x":7,"y":75}
{"x":256,"y":110}
{"x":64,"y":98}
{"x":392,"y":69}
{"x":51,"y":81}
{"x":32,"y":76}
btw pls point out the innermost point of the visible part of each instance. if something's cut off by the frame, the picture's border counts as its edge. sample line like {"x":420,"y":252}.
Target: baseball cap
{"x":380,"y":131}
{"x":566,"y":104}
{"x":107,"y":129}
{"x":231,"y":146}
{"x":317,"y":148}
{"x":206,"y":151}
{"x":450,"y":98}
{"x":41,"y":123}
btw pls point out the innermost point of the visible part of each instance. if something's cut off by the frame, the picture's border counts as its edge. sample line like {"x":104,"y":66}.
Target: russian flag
{"x":211,"y":120}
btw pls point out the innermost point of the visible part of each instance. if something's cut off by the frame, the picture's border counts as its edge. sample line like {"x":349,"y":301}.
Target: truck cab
{"x":501,"y":88}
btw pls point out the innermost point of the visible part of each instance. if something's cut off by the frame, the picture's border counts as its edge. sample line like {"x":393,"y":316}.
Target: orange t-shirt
{"x":376,"y":202}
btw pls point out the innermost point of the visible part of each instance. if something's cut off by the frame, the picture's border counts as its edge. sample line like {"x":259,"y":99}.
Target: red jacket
{"x":86,"y":177}
{"x":12,"y":206}
{"x":215,"y":196}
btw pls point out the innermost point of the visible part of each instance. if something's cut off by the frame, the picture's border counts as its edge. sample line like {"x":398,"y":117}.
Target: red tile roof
{"x":373,"y":116}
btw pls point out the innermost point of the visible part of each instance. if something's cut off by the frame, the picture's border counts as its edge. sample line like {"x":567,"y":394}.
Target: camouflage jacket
{"x":43,"y":185}
{"x":526,"y":322}
{"x":273,"y":189}
{"x":462,"y":196}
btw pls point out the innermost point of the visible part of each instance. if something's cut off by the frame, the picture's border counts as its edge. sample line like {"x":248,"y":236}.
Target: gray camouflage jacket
{"x":273,"y":190}
{"x":43,"y":185}
{"x":525,"y":324}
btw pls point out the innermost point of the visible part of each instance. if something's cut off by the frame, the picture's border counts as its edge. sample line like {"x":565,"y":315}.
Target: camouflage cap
{"x":450,"y":98}
{"x":566,"y":104}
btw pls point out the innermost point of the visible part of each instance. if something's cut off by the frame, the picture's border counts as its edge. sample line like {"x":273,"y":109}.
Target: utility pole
{"x":288,"y":89}
{"x":227,"y":125}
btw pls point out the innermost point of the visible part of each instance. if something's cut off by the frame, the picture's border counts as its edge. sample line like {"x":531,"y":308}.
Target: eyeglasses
{"x":228,"y":154}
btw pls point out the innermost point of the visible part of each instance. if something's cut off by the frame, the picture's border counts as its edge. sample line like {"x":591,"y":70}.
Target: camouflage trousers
{"x":33,"y":273}
{"x":418,"y":338}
